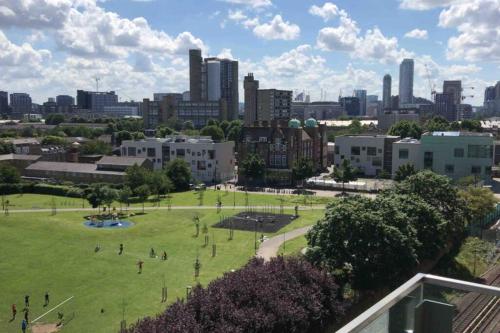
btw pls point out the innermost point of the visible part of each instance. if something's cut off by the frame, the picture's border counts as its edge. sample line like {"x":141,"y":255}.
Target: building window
{"x":403,"y":154}
{"x":262,"y":139}
{"x":371,"y":151}
{"x":377,"y":162}
{"x":355,"y":151}
{"x":475,"y":170}
{"x":181,"y":152}
{"x":131,"y":151}
{"x":202,"y":165}
{"x":479,"y":151}
{"x":428,"y":159}
{"x":458,"y":152}
{"x":151,"y":152}
{"x":337,"y":150}
{"x":449,"y":168}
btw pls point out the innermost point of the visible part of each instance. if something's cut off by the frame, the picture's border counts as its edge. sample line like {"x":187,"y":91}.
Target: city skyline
{"x":59,"y":47}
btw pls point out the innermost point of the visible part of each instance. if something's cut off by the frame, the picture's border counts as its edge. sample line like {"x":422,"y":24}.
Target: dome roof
{"x":294,"y":123}
{"x":311,"y":122}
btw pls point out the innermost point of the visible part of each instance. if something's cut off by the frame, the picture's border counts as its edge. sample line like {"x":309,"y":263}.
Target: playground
{"x":94,"y":288}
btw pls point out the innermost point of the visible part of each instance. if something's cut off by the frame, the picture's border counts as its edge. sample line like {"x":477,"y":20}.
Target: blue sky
{"x":51,"y":47}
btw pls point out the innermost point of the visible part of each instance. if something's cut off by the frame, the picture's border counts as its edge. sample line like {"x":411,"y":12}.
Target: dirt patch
{"x":260,"y":221}
{"x":44,"y":328}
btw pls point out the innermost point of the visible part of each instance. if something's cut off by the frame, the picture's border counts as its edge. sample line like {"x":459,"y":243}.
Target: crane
{"x":97,"y":79}
{"x":431,"y":86}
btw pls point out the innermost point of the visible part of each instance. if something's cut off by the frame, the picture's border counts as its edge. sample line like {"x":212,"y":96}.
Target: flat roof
{"x":70,"y":167}
{"x":121,"y":160}
{"x":456,"y":133}
{"x":7,"y":157}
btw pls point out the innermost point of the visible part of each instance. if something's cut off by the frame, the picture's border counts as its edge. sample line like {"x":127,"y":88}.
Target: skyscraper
{"x":386,"y":98}
{"x":213,"y":69}
{"x":20,"y":104}
{"x":489,"y":94}
{"x":361,"y":95}
{"x":195,"y":76}
{"x":65,"y":100}
{"x":406,"y":82}
{"x":4,"y":102}
{"x":229,"y":86}
{"x":454,"y":88}
{"x":95,"y":101}
{"x":251,"y":86}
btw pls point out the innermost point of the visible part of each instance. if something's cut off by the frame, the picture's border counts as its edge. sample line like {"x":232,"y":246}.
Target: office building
{"x":20,"y":103}
{"x":120,"y":111}
{"x":201,"y":112}
{"x":273,"y":104}
{"x":386,"y":94}
{"x":229,"y":87}
{"x":155,"y":113}
{"x":388,"y":118}
{"x":158,"y":97}
{"x":454,"y":88}
{"x":250,"y":86}
{"x":351,"y":106}
{"x":95,"y":101}
{"x":280,"y":144}
{"x":213,"y":69}
{"x":65,"y":100}
{"x":453,"y":154}
{"x":195,"y":75}
{"x":210,"y":161}
{"x":316,"y":110}
{"x":444,"y":106}
{"x":369,"y":154}
{"x":361,"y":95}
{"x":50,"y":106}
{"x":4,"y":102}
{"x":406,"y":82}
{"x":489,"y":94}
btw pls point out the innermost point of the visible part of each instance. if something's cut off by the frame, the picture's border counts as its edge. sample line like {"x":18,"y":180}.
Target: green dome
{"x":311,"y":122}
{"x":294,"y":123}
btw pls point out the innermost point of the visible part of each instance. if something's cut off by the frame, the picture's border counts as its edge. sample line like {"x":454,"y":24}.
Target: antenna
{"x":97,"y":79}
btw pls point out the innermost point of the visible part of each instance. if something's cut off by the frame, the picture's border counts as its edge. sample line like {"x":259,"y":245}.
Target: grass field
{"x":293,"y":246}
{"x":189,"y":198}
{"x":41,"y":252}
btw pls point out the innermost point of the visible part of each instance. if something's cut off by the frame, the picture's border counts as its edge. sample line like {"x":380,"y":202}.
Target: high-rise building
{"x":497,"y":90}
{"x":274,"y":104}
{"x":4,"y":102}
{"x":158,"y":97}
{"x":454,"y":88}
{"x":406,"y":82}
{"x":95,"y":101}
{"x":20,"y":104}
{"x":195,"y":75}
{"x":361,"y":95}
{"x":386,"y":98}
{"x":251,"y":86}
{"x":444,"y":106}
{"x":229,"y":87}
{"x":350,"y":105}
{"x":213,"y":81}
{"x":489,"y":94}
{"x":65,"y":100}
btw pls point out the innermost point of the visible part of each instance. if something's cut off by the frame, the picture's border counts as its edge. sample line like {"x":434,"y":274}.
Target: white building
{"x":120,"y":111}
{"x":406,"y":151}
{"x":209,"y":160}
{"x":370,"y":154}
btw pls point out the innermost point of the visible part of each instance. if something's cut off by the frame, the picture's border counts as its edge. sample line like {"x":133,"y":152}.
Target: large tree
{"x":96,"y":147}
{"x":437,"y":123}
{"x":9,"y":174}
{"x":143,"y":192}
{"x":214,"y":131}
{"x":480,"y":201}
{"x":406,"y":129}
{"x":136,"y":176}
{"x":54,"y":119}
{"x":302,"y":169}
{"x":159,"y":184}
{"x":345,"y":173}
{"x":253,"y":167}
{"x":179,"y":172}
{"x":404,"y":171}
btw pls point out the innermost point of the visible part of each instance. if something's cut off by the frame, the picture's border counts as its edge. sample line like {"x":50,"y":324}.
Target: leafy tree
{"x":100,"y":195}
{"x":108,"y":195}
{"x":225,"y":126}
{"x":6,"y":147}
{"x":215,"y":132}
{"x":179,"y":173}
{"x":283,"y":295}
{"x":188,"y":125}
{"x":471,"y":125}
{"x":96,"y":147}
{"x":52,"y":140}
{"x":234,"y":134}
{"x":406,"y":129}
{"x":143,"y":193}
{"x":253,"y":167}
{"x":344,"y":174}
{"x":124,"y":195}
{"x":54,"y":119}
{"x":138,"y":136}
{"x":212,"y":122}
{"x":480,"y":201}
{"x":355,"y":127}
{"x":159,"y":183}
{"x":361,"y":244}
{"x":404,"y":171}
{"x":303,"y":169}
{"x":437,"y":124}
{"x":163,"y":131}
{"x":9,"y":174}
{"x":122,"y":136}
{"x":136,"y":176}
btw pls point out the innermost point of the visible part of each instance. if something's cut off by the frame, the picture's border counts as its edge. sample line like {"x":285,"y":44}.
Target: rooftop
{"x":121,"y":160}
{"x":409,"y":140}
{"x":70,"y":167}
{"x":8,"y":157}
{"x":456,"y":133}
{"x":23,"y":141}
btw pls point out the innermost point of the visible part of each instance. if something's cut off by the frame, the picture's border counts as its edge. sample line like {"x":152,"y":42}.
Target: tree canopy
{"x":179,"y":173}
{"x":9,"y":174}
{"x":214,"y":131}
{"x":303,"y":169}
{"x":404,"y":171}
{"x":406,"y":129}
{"x":345,"y":173}
{"x":253,"y":167}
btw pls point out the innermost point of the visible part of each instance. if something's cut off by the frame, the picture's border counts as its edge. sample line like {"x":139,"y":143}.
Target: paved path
{"x":136,"y":209}
{"x":269,"y":248}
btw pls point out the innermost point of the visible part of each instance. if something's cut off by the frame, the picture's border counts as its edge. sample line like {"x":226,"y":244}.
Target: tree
{"x":360,"y":244}
{"x":95,"y":197}
{"x":138,"y":136}
{"x":122,"y":136}
{"x":136,"y":176}
{"x":471,"y":125}
{"x":96,"y":147}
{"x":225,"y":126}
{"x":215,"y":132}
{"x":163,"y":131}
{"x":234,"y":132}
{"x":179,"y":173}
{"x":188,"y":125}
{"x":52,"y":140}
{"x":9,"y":174}
{"x":124,"y":195}
{"x":108,"y":195}
{"x":212,"y":122}
{"x":302,"y":169}
{"x":6,"y":147}
{"x":344,"y":174}
{"x":54,"y":119}
{"x":253,"y":167}
{"x":142,"y":193}
{"x":404,"y":171}
{"x":480,"y":201}
{"x":406,"y":129}
{"x":159,"y":184}
{"x":437,"y":124}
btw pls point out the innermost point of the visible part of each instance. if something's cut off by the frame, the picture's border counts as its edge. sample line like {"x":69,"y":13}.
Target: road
{"x":269,"y":248}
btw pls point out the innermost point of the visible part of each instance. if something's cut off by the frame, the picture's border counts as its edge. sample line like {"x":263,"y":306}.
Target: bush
{"x":283,"y":295}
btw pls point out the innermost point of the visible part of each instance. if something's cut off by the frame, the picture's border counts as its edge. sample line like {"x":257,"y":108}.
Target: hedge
{"x":35,"y":188}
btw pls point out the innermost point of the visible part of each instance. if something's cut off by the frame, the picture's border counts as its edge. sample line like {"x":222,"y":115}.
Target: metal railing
{"x":373,"y":313}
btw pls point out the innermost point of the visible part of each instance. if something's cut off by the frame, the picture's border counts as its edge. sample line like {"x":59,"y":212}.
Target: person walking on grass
{"x":27,"y":301}
{"x":121,"y":249}
{"x":14,"y":311}
{"x":26,"y":314}
{"x":46,"y":299}
{"x":140,"y":263}
{"x":24,"y":325}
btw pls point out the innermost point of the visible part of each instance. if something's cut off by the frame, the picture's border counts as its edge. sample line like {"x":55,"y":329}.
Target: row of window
{"x":475,"y":169}
{"x":356,"y":150}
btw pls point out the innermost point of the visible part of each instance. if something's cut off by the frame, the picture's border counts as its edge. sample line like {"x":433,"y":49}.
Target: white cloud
{"x":477,"y":24}
{"x":425,"y":4}
{"x":225,"y":54}
{"x":417,"y":34}
{"x":251,"y":3}
{"x":277,"y":29}
{"x":327,"y":11}
{"x":34,"y":14}
{"x":341,"y":38}
{"x":12,"y":55}
{"x":236,"y":15}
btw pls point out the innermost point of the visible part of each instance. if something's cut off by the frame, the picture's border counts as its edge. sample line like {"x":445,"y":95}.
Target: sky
{"x":138,"y":47}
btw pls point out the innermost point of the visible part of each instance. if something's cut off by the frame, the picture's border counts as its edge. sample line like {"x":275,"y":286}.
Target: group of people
{"x":26,"y":310}
{"x":152,"y":254}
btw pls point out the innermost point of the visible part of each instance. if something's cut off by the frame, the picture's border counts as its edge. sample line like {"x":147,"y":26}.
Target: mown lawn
{"x":40,"y":252}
